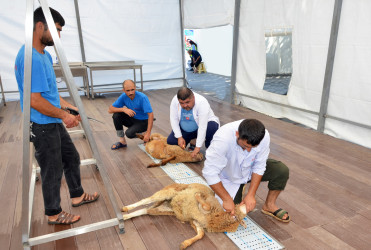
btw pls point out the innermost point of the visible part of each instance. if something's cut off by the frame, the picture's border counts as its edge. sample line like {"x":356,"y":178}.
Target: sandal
{"x":86,"y":199}
{"x":278,"y":214}
{"x":63,"y":218}
{"x":118,"y":145}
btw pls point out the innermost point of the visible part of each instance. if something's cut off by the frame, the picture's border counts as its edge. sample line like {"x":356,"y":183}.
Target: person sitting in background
{"x":132,"y":110}
{"x":196,"y":59}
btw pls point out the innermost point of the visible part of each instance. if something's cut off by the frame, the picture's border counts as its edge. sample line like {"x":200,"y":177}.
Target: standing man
{"x":191,"y":117}
{"x":54,"y":149}
{"x":238,"y":155}
{"x":132,"y":110}
{"x":196,"y":59}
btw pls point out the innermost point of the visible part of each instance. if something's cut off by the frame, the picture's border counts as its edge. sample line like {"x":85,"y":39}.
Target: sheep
{"x":194,"y":203}
{"x":158,"y":148}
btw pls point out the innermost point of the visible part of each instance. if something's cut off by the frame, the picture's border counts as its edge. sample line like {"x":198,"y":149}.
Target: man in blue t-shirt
{"x":54,"y":150}
{"x":132,"y":110}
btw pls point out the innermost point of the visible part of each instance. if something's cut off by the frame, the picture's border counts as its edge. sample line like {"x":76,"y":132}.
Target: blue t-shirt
{"x":187,"y":121}
{"x":140,"y":105}
{"x":42,"y":81}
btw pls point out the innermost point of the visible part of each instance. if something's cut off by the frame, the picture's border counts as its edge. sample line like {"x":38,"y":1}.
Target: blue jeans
{"x":212,"y":127}
{"x":56,"y":154}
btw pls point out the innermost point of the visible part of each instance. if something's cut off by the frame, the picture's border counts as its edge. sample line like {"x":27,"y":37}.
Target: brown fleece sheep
{"x":194,"y":203}
{"x":158,"y":148}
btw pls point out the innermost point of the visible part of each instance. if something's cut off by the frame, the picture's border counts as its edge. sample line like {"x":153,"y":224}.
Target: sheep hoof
{"x":124,"y":209}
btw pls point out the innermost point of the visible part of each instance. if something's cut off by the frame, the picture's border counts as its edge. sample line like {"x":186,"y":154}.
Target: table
{"x":77,"y":70}
{"x":114,"y":65}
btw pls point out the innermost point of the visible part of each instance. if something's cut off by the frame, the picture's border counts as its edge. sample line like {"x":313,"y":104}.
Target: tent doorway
{"x":215,"y":47}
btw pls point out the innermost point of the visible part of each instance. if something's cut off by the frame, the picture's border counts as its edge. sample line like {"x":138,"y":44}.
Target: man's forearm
{"x":219,"y":189}
{"x":150,"y":122}
{"x":113,"y":109}
{"x":45,"y":107}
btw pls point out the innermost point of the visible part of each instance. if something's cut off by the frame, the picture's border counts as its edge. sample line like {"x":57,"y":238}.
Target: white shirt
{"x":228,"y":163}
{"x":202,"y":113}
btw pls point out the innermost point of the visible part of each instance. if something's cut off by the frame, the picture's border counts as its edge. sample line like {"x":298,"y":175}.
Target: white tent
{"x":149,"y":32}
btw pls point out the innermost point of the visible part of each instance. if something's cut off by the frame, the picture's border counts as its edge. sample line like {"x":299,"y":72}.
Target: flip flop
{"x":278,"y":214}
{"x":63,"y":219}
{"x":87,"y":199}
{"x":118,"y":145}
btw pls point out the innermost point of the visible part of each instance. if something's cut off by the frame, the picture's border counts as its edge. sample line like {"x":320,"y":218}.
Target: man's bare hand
{"x":250,"y":203}
{"x":181,"y":142}
{"x":71,"y":120}
{"x":195,"y":151}
{"x":129,"y":112}
{"x":228,"y":205}
{"x":146,"y":137}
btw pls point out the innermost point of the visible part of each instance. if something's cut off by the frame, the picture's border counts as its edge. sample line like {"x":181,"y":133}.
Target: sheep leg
{"x":163,"y":162}
{"x":137,"y":204}
{"x":135,"y":214}
{"x":200,"y":234}
{"x":140,"y":136}
{"x":165,"y":194}
{"x":205,"y":206}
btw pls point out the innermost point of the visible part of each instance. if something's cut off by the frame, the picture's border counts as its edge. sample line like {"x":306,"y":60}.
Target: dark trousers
{"x":56,"y":154}
{"x":134,"y":125}
{"x":276,"y":173}
{"x":196,"y":63}
{"x":212,"y":127}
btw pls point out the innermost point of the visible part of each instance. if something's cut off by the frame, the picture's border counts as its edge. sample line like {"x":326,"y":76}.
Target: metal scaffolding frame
{"x":27,"y":185}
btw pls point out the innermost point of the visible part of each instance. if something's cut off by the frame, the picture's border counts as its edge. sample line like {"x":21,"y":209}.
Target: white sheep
{"x":158,"y":148}
{"x":194,"y":203}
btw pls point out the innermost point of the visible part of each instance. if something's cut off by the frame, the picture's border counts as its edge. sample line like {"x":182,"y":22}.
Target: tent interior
{"x":324,"y":50}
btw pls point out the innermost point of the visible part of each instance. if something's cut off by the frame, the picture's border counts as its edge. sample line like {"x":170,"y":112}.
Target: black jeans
{"x":56,"y":154}
{"x":134,"y":125}
{"x":276,"y":173}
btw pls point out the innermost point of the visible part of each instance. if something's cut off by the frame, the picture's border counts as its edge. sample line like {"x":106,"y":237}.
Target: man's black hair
{"x":184,"y":93}
{"x":38,"y":16}
{"x":252,"y":131}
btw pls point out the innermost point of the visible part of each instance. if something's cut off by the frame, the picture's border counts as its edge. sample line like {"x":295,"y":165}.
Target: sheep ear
{"x":243,"y":209}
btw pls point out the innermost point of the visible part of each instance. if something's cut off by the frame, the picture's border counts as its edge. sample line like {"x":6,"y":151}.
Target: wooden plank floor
{"x":328,"y":194}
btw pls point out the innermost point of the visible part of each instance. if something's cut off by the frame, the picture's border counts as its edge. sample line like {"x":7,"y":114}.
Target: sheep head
{"x":223,"y":221}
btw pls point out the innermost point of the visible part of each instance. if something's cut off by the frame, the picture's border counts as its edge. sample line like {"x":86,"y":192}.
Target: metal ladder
{"x":28,"y":184}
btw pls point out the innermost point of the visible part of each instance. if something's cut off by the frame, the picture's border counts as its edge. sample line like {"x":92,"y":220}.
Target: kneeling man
{"x":238,"y":154}
{"x":191,"y":117}
{"x":132,"y":110}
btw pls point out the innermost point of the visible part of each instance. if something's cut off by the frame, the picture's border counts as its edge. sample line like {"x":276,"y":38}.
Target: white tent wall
{"x":350,"y":93}
{"x":146,"y":31}
{"x":310,"y":21}
{"x":199,"y":14}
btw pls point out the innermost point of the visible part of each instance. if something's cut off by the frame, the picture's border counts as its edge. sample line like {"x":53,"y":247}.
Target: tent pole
{"x":181,"y":16}
{"x":26,"y":122}
{"x":329,"y":65}
{"x":80,"y":31}
{"x":236,"y":26}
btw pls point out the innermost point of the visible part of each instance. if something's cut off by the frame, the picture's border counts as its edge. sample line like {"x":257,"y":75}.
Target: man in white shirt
{"x":238,"y":154}
{"x":191,"y":117}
